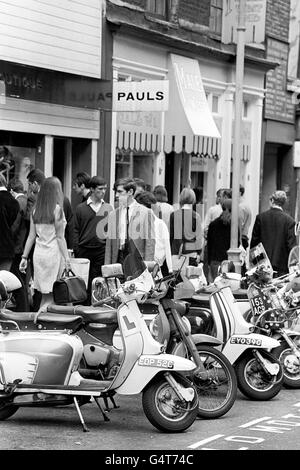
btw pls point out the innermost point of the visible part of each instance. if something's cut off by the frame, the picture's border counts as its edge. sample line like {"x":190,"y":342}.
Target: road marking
{"x":248,"y":425}
{"x":205,"y":441}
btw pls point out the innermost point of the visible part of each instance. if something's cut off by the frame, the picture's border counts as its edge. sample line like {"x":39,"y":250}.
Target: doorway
{"x":59,"y":159}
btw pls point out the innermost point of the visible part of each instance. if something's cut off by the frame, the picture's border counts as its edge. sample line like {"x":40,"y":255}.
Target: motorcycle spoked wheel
{"x":290,"y":365}
{"x":218,"y":392}
{"x":163,"y":408}
{"x":252,"y":379}
{"x":6,"y":410}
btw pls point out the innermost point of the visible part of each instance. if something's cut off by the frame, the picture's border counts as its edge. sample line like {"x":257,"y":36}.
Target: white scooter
{"x":41,"y":368}
{"x":259,"y":374}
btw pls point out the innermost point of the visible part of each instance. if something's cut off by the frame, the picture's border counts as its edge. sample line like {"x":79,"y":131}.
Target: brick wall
{"x":195,"y":11}
{"x":278,"y":102}
{"x":277,"y":19}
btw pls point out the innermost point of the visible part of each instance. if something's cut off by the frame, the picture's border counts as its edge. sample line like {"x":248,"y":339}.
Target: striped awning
{"x":139,"y":131}
{"x":189,"y":125}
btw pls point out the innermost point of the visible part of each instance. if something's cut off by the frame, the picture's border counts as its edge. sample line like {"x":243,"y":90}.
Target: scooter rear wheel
{"x":290,"y":365}
{"x":252,"y":379}
{"x":6,"y":411}
{"x":163,"y":408}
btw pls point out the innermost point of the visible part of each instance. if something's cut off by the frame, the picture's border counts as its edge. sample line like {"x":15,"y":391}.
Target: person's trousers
{"x":5,"y":264}
{"x":214,"y":268}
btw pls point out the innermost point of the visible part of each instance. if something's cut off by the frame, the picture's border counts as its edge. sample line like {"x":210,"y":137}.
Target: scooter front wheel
{"x":290,"y":364}
{"x":217,"y":393}
{"x":253,"y":381}
{"x":164,"y":409}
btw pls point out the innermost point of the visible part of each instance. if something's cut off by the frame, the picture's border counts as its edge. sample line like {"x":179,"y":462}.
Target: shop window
{"x":216,"y":13}
{"x":19,"y":154}
{"x":215,"y":104}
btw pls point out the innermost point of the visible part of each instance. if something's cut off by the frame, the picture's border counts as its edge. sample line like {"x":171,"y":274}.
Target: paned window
{"x":216,"y":12}
{"x":159,"y":8}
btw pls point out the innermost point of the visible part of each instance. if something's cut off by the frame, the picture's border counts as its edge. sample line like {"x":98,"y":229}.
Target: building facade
{"x":151,"y":42}
{"x":51,"y":87}
{"x":278,"y":136}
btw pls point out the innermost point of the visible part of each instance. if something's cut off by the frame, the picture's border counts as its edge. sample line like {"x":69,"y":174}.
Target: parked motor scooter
{"x":214,"y":379}
{"x":274,"y":311}
{"x":169,"y":321}
{"x":259,"y":373}
{"x":41,"y":368}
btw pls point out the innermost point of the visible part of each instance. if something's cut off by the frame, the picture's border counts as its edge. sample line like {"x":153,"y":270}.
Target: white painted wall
{"x":60,"y":35}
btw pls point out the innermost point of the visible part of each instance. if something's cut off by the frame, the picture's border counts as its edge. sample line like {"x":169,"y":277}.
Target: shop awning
{"x":139,"y":131}
{"x":189,"y":124}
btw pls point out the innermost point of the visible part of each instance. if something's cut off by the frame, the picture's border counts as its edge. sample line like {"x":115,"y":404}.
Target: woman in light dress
{"x":47,"y":227}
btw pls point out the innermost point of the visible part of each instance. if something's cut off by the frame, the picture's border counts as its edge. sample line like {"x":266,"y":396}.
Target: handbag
{"x":69,"y":289}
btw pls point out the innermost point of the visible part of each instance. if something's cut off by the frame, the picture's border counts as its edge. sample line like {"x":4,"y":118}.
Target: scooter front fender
{"x":206,"y":339}
{"x":150,"y":365}
{"x":179,"y":349}
{"x":238,"y":344}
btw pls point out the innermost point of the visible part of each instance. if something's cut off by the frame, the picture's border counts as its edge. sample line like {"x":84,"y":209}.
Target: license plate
{"x":153,"y":362}
{"x":258,"y":304}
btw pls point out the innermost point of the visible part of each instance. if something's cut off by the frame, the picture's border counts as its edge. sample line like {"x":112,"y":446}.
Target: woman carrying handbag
{"x":47,"y":227}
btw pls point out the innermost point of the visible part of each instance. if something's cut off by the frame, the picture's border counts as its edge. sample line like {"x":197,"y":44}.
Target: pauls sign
{"x":148,"y":95}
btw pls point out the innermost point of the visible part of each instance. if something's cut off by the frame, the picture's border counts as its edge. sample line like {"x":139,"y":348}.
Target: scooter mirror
{"x":10,"y":281}
{"x":3,"y":291}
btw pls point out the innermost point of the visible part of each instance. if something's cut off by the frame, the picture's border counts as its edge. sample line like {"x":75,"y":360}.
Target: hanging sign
{"x":148,"y":95}
{"x":255,"y":21}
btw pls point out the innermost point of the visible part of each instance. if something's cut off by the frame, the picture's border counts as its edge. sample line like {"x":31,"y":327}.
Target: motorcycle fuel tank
{"x":56,"y":354}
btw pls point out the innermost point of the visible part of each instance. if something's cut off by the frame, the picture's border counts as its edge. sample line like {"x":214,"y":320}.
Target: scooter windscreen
{"x":133,"y":265}
{"x":258,"y":258}
{"x":139,"y":280}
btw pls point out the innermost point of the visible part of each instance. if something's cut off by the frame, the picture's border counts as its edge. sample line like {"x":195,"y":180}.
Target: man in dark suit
{"x":275,"y":229}
{"x":130,"y":220}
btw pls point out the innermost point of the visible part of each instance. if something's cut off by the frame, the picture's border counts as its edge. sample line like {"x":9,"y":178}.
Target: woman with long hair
{"x":47,"y":227}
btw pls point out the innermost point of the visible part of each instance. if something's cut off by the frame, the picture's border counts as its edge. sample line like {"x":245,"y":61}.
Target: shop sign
{"x":147,"y":95}
{"x":255,"y":21}
{"x":36,"y":84}
{"x":192,"y":96}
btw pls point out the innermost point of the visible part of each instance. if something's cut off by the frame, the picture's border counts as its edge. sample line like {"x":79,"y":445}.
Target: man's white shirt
{"x":162,"y":243}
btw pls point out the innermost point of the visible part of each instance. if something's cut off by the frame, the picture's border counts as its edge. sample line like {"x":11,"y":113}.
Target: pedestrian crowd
{"x":40,"y":231}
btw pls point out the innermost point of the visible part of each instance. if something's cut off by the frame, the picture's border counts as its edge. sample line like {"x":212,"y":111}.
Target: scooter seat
{"x":89,"y":314}
{"x":42,"y":321}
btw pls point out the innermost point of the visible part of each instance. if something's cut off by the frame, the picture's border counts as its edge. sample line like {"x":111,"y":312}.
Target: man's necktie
{"x":127,"y":223}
